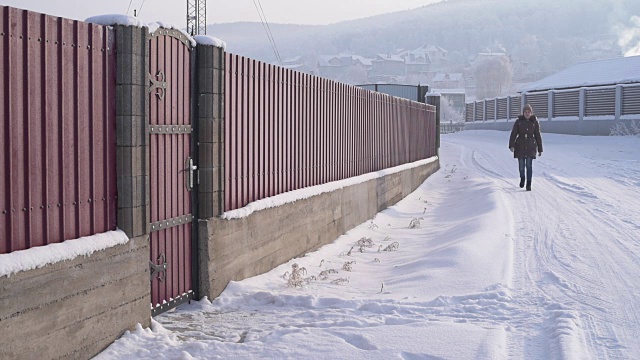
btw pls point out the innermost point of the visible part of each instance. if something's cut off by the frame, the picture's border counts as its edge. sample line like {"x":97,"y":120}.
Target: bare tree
{"x":493,"y":76}
{"x":449,"y":113}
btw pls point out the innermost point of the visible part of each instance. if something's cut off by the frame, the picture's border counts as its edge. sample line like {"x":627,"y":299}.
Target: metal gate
{"x":172,"y":172}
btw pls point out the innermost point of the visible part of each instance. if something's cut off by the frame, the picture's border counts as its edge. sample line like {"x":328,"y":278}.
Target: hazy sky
{"x":218,"y":11}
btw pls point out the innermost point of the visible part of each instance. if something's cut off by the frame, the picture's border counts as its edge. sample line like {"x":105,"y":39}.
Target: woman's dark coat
{"x":525,"y":137}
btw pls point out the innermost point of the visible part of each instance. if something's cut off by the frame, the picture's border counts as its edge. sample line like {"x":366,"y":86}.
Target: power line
{"x":140,"y":10}
{"x":129,"y":7}
{"x":268,"y":27}
{"x":265,"y":25}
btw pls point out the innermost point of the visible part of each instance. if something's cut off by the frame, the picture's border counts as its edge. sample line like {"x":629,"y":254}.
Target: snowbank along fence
{"x":105,"y":126}
{"x":578,"y":111}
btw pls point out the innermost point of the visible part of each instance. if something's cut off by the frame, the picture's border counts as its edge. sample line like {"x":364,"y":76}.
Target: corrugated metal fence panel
{"x":287,"y":130}
{"x":600,"y":102}
{"x":491,"y":109}
{"x":540,"y":104}
{"x":57,"y":125}
{"x":566,"y":103}
{"x":479,"y":111}
{"x":516,"y":108}
{"x":630,"y":100}
{"x":468,"y":117}
{"x":502,"y":108}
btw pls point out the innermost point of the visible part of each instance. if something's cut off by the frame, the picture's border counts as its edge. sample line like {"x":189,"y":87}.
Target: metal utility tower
{"x":197,"y":17}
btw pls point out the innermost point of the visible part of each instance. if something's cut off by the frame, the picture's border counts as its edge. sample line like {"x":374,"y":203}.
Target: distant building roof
{"x":389,"y":57}
{"x":342,"y":60}
{"x":623,"y":70}
{"x":448,"y":77}
{"x":293,"y":60}
{"x":448,"y":91}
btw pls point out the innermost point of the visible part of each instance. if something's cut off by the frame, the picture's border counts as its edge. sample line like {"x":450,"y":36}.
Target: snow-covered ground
{"x":487,"y":271}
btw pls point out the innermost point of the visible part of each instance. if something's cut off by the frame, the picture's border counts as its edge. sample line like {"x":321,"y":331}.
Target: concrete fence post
{"x":618,"y":101}
{"x":475,"y":105}
{"x":210,"y":66}
{"x":131,"y":125}
{"x":550,"y":97}
{"x":484,"y":110}
{"x":495,"y":110}
{"x":509,"y":108}
{"x":582,"y":103}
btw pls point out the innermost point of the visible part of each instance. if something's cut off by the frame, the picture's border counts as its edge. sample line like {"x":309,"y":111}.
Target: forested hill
{"x":550,"y":33}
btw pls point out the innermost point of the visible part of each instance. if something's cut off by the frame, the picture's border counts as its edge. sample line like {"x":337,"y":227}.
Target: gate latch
{"x":158,"y":84}
{"x":160,"y":269}
{"x":191,"y":169}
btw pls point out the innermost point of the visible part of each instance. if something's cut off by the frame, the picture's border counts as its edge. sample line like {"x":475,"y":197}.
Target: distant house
{"x":438,"y":58}
{"x":448,"y":81}
{"x":417,"y":63}
{"x":387,"y":65}
{"x":350,"y":68}
{"x":486,"y":55}
{"x":297,"y":63}
{"x":455,"y":96}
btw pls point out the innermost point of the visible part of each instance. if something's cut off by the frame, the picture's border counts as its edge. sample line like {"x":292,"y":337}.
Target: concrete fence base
{"x":241,"y":248}
{"x":75,"y":309}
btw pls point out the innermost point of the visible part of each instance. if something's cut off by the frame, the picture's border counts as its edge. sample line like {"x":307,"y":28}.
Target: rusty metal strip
{"x":170,"y":129}
{"x":169,"y":223}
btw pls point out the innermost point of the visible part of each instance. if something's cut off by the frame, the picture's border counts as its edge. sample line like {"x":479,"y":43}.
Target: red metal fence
{"x":286,"y":130}
{"x":57,"y":129}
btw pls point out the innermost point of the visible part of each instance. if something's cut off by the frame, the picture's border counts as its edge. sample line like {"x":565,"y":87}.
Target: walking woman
{"x":525,"y":140}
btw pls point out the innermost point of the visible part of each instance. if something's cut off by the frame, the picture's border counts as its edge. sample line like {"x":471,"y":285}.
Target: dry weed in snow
{"x":415,"y":223}
{"x":348,"y":266}
{"x":340,"y":281}
{"x":296,"y":278}
{"x":348,"y":253}
{"x":392,"y":247}
{"x":366,"y":242}
{"x":324,"y":275}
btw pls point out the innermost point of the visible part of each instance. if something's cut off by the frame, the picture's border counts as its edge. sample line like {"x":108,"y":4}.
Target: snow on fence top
{"x":115,"y":19}
{"x":41,"y":256}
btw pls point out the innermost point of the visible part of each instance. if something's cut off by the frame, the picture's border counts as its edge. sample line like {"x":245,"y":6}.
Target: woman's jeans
{"x":528,"y":162}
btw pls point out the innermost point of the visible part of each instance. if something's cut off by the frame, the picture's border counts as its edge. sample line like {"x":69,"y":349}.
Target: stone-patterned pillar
{"x":131,"y":122}
{"x":210,"y":64}
{"x":434,"y":99}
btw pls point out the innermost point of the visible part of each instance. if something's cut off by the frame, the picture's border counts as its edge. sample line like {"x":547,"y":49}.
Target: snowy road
{"x":490,"y":272}
{"x":577,"y":241}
